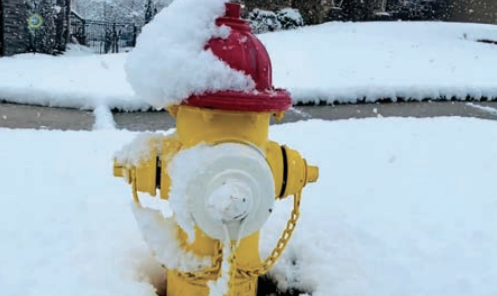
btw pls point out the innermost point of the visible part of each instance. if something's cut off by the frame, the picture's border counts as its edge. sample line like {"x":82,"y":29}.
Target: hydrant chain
{"x":232,"y":271}
{"x":134,"y":188}
{"x":266,"y":265}
{"x":281,"y":244}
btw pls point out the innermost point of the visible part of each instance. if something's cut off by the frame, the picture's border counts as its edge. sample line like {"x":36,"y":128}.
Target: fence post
{"x":135,"y":31}
{"x":83,"y":38}
{"x":115,"y":48}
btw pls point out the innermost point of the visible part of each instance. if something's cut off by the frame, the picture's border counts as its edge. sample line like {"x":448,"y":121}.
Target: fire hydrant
{"x":233,"y":196}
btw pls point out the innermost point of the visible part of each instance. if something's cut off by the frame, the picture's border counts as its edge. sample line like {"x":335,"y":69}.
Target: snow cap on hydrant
{"x":242,"y":51}
{"x":202,"y":50}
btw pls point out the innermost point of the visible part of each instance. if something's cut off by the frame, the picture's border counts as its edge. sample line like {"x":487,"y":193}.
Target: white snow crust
{"x":347,"y":62}
{"x":77,"y":79}
{"x":169,"y":63}
{"x":486,"y":109}
{"x":333,"y":62}
{"x":140,"y":149}
{"x":103,"y":118}
{"x":221,"y":285}
{"x":186,"y":164}
{"x":160,"y":234}
{"x":402,"y":207}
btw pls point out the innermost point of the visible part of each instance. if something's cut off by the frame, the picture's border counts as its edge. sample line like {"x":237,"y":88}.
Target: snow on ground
{"x":83,"y":81}
{"x":402,"y":207}
{"x":103,"y":118}
{"x":342,"y":62}
{"x":486,"y":109}
{"x":411,"y":60}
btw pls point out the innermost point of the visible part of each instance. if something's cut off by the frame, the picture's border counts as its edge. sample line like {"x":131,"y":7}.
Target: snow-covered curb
{"x":330,"y":63}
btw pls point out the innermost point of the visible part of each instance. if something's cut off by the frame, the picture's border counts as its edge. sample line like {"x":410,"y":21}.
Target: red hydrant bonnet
{"x":243,"y":52}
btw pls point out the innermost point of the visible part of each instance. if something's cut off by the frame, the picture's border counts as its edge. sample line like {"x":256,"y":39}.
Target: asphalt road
{"x":35,"y":117}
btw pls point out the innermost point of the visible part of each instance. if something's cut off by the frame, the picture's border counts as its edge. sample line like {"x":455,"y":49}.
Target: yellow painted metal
{"x":196,"y":126}
{"x":275,"y":160}
{"x":206,"y":246}
{"x":146,"y":174}
{"x":312,"y":174}
{"x":119,"y":169}
{"x":178,"y":284}
{"x":170,"y":147}
{"x":298,"y":172}
{"x":290,"y":170}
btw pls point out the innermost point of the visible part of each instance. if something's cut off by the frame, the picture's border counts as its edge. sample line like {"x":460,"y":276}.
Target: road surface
{"x":35,"y":117}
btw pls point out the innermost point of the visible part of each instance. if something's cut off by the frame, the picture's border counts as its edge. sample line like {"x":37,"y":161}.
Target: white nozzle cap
{"x":236,"y":187}
{"x":232,"y":200}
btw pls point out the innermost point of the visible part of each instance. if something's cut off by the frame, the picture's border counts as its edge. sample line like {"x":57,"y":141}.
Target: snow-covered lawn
{"x":402,"y":207}
{"x":342,"y":62}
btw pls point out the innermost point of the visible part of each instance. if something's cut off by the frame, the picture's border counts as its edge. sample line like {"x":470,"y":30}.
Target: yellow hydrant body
{"x":196,"y":126}
{"x":214,"y":120}
{"x":209,"y":126}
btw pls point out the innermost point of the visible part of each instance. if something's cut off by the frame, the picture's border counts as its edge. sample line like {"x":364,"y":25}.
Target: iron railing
{"x":103,"y":37}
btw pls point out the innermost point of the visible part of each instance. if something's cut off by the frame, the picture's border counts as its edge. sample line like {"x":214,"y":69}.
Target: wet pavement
{"x":35,"y":117}
{"x":21,"y":116}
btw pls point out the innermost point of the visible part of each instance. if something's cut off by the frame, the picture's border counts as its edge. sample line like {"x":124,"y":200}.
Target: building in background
{"x":34,"y":26}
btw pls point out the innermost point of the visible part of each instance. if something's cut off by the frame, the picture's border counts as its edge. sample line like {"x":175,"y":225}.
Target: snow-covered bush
{"x":289,"y":18}
{"x":417,"y":9}
{"x":263,"y":21}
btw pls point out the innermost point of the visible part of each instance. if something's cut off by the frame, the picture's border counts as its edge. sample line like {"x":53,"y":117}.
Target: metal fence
{"x":103,"y":37}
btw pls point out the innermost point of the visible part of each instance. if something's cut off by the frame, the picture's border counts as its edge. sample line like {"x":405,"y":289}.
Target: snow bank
{"x":67,"y":228}
{"x":347,"y":62}
{"x":103,"y":118}
{"x":333,"y":62}
{"x":76,"y":80}
{"x":169,"y":63}
{"x":402,"y":207}
{"x":141,"y":148}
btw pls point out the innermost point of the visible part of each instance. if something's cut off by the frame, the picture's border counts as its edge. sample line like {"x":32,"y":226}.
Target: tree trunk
{"x":1,"y":29}
{"x":61,"y":19}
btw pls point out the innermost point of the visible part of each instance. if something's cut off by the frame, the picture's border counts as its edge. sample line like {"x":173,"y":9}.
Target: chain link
{"x":134,"y":187}
{"x":232,"y":271}
{"x":208,"y":273}
{"x":213,"y":271}
{"x":280,"y":245}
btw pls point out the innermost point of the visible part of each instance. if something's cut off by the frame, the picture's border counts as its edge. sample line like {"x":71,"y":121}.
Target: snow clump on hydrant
{"x":170,"y":62}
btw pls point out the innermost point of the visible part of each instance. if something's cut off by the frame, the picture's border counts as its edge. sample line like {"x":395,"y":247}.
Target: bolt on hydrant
{"x":232,"y":195}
